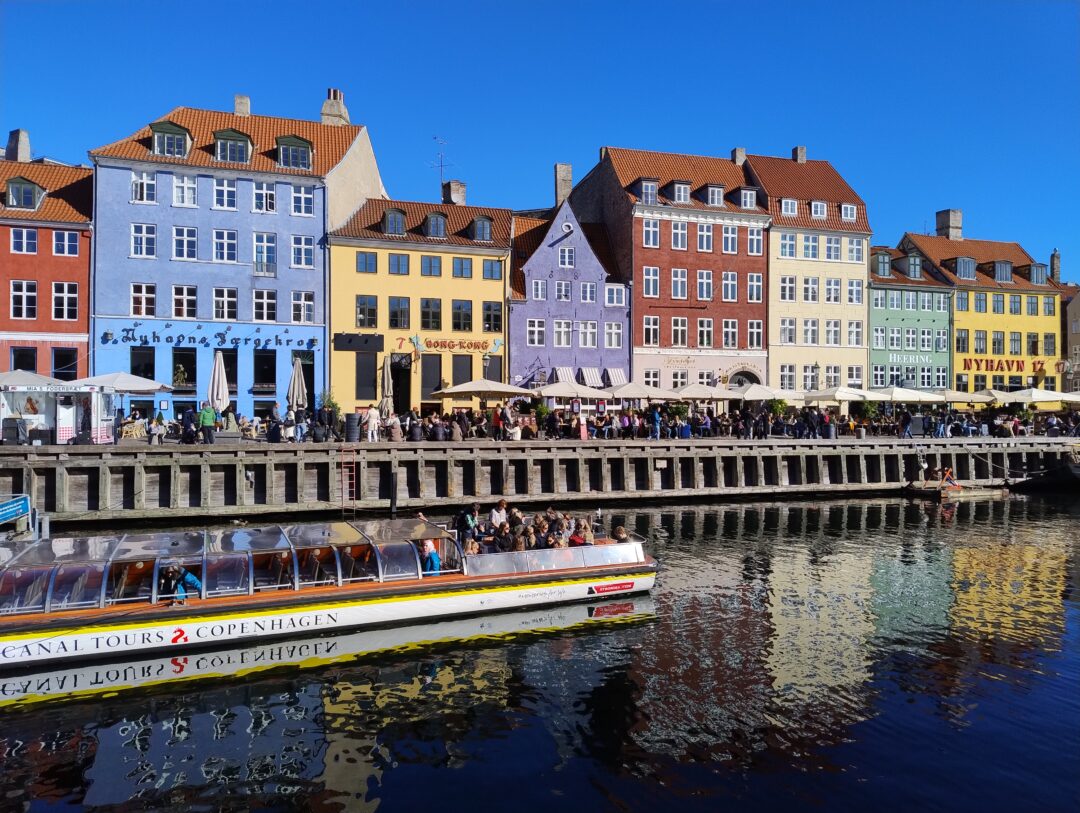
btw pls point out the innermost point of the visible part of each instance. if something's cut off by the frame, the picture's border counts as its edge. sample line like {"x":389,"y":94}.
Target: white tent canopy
{"x":957,"y":397}
{"x":22,"y":378}
{"x":570,"y":389}
{"x":903,"y":395}
{"x":1001,"y":396}
{"x":759,"y":392}
{"x":125,"y":383}
{"x":633,"y":391}
{"x":1036,"y":395}
{"x":839,"y":394}
{"x":482,"y":388}
{"x":697,"y":392}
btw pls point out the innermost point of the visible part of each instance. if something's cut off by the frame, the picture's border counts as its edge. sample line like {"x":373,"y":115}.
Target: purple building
{"x":569,"y":311}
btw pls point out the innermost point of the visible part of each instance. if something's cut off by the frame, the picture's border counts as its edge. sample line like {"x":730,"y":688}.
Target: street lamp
{"x":817,"y":375}
{"x":485,"y":359}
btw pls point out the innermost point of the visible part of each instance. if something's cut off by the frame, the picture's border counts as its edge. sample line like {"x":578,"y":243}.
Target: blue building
{"x":210,"y":234}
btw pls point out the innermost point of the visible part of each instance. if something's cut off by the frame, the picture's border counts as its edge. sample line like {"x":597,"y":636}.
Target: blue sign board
{"x":17,"y":506}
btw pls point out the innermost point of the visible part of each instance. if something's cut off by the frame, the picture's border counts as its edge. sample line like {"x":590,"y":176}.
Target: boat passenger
{"x":472,"y":547}
{"x":531,"y":542}
{"x":432,"y":563}
{"x":179,"y":581}
{"x":620,"y":534}
{"x":519,"y":543}
{"x":502,"y":541}
{"x":585,"y":528}
{"x":515,"y":518}
{"x":498,"y":514}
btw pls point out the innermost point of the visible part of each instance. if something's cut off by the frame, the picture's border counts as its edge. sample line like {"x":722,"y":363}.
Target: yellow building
{"x":423,"y":284}
{"x":1006,"y":309}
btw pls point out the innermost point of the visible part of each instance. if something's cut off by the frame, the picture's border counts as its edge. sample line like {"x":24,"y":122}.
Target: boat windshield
{"x":537,"y":561}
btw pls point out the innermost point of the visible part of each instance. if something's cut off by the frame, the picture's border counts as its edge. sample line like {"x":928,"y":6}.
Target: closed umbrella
{"x":218,"y":391}
{"x":297,"y":394}
{"x":386,"y":405}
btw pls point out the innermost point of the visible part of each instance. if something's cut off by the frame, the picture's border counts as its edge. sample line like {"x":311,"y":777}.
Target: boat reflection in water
{"x":308,"y":652}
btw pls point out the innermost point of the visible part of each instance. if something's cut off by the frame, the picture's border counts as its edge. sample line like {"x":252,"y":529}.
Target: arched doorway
{"x":742,"y":379}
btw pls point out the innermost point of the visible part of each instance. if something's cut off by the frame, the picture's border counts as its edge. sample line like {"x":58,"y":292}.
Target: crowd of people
{"x":504,"y":529}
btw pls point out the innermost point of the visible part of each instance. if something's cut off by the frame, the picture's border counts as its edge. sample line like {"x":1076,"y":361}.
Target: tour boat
{"x":99,"y":597}
{"x":67,"y":681}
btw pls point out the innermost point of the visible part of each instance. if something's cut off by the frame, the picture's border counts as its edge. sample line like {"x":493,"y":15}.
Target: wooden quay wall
{"x":92,"y":483}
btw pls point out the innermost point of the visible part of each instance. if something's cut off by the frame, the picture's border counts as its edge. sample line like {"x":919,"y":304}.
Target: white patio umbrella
{"x":838,"y":394}
{"x":903,"y":395}
{"x":570,"y":389}
{"x":759,"y":392}
{"x":482,"y":388}
{"x":957,"y":397}
{"x":724,"y":394}
{"x":125,"y":383}
{"x":1001,"y":396}
{"x":386,"y":403}
{"x":217,"y":393}
{"x":698,"y":392}
{"x":1037,"y":395}
{"x":297,"y":395}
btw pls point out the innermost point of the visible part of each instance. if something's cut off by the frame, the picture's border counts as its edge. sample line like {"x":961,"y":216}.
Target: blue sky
{"x":920,"y":105}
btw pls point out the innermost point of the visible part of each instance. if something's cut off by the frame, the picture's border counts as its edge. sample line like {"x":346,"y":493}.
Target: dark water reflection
{"x":871,"y":655}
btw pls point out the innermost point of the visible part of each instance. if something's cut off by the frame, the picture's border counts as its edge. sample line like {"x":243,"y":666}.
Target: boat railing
{"x":539,"y":561}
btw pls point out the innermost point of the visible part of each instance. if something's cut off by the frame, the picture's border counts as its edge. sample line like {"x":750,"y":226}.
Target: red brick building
{"x":690,"y":234}
{"x":45,"y":259}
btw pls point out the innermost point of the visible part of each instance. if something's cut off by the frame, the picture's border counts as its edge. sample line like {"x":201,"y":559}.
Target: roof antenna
{"x":441,"y":163}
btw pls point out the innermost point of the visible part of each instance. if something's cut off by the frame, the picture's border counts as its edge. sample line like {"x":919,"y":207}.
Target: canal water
{"x":872,"y":655}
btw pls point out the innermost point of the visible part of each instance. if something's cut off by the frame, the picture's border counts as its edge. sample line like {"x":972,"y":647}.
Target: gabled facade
{"x":423,"y":284}
{"x":569,"y":313}
{"x":1070,"y":363}
{"x":818,"y":249}
{"x":45,"y":257}
{"x":1006,"y":308}
{"x":690,"y":235}
{"x":211,"y":231}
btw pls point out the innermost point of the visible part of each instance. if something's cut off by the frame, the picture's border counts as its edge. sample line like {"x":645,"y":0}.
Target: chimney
{"x":334,"y":111}
{"x":242,"y":105}
{"x":453,"y":192}
{"x":1055,"y":266}
{"x":950,"y":224}
{"x":18,"y":146}
{"x":798,"y":155}
{"x":564,"y":182}
{"x":738,"y":155}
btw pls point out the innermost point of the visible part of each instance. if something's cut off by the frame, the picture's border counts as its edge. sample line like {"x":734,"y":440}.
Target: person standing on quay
{"x":207,"y":420}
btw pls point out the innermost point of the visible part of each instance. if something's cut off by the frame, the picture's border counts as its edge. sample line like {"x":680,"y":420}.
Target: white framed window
{"x":755,"y":287}
{"x":941,"y":340}
{"x":810,"y":246}
{"x":297,"y":156}
{"x":65,"y":301}
{"x":233,"y":150}
{"x":225,"y":246}
{"x":832,"y":332}
{"x":731,"y":240}
{"x":748,"y":199}
{"x":716,"y":196}
{"x":942,"y":302}
{"x":854,"y":375}
{"x":790,"y":208}
{"x":878,"y":372}
{"x":566,"y":256}
{"x":682,"y":193}
{"x":787,"y":289}
{"x":23,"y":299}
{"x":730,"y":287}
{"x":787,"y":376}
{"x":265,"y":305}
{"x":894,"y":338}
{"x":787,"y":330}
{"x":265,"y":253}
{"x":224,"y":193}
{"x":587,"y":334}
{"x":817,"y":209}
{"x":651,"y":279}
{"x":755,"y":334}
{"x":144,"y":187}
{"x":588,"y":292}
{"x":832,"y":248}
{"x":926,"y":376}
{"x":652,"y":378}
{"x":185,"y":243}
{"x":143,"y":240}
{"x":941,"y":376}
{"x":755,"y":241}
{"x":613,"y":335}
{"x":650,"y":231}
{"x":614,"y":296}
{"x":678,"y":283}
{"x":24,"y":241}
{"x":810,"y":331}
{"x":910,"y":338}
{"x":185,"y":191}
{"x":225,"y":304}
{"x":303,"y":251}
{"x":854,"y":333}
{"x":264,"y":197}
{"x":705,"y":378}
{"x":787,"y":244}
{"x":731,"y":333}
{"x":832,"y":290}
{"x":561,"y":332}
{"x":539,"y":289}
{"x":878,"y":298}
{"x":810,"y":289}
{"x":185,"y":302}
{"x":174,"y":144}
{"x":855,"y":291}
{"x":650,"y":336}
{"x":855,"y":249}
{"x":679,"y":378}
{"x":911,"y":301}
{"x":832,"y":375}
{"x":303,"y":201}
{"x":896,"y":374}
{"x":926,"y":301}
{"x":648,"y":192}
{"x":895,"y":300}
{"x":704,"y":237}
{"x":704,"y":285}
{"x":678,"y":236}
{"x":678,"y":331}
{"x":65,"y":244}
{"x":534,"y":333}
{"x":879,"y":338}
{"x":847,"y":211}
{"x":143,"y":299}
{"x":809,"y":377}
{"x":563,"y":290}
{"x":704,"y":332}
{"x":926,"y":340}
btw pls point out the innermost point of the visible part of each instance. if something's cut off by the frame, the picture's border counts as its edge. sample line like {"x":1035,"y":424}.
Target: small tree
{"x":867,"y":410}
{"x":326,"y":398}
{"x":776,"y":406}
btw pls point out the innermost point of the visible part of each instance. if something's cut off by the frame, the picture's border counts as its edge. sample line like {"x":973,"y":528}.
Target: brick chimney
{"x":334,"y":111}
{"x":950,"y":224}
{"x":798,"y":155}
{"x":453,"y":192}
{"x":18,"y":146}
{"x":1055,"y":266}
{"x":242,"y":105}
{"x":738,"y":155}
{"x":564,"y":182}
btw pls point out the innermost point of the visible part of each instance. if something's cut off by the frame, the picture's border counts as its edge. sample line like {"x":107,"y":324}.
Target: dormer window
{"x":789,"y":207}
{"x":435,"y":226}
{"x":170,"y":139}
{"x":965,"y":268}
{"x":817,"y":209}
{"x":914,"y":266}
{"x":716,"y":196}
{"x":748,"y":199}
{"x":682,"y":193}
{"x":847,"y":211}
{"x":1038,"y":274}
{"x":294,"y":153}
{"x":482,"y":230}
{"x":23,"y":194}
{"x":232,"y":146}
{"x":884,"y":265}
{"x":1002,"y":271}
{"x":394,"y":221}
{"x":648,"y":193}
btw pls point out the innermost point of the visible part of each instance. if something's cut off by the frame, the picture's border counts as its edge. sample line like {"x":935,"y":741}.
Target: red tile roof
{"x":928,"y":279}
{"x":941,"y":249}
{"x":69,"y":192}
{"x":528,"y":234}
{"x":805,"y":182}
{"x":698,"y":170}
{"x":367,"y":224}
{"x":329,"y":142}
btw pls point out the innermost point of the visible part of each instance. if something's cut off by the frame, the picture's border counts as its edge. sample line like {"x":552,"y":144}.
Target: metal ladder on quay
{"x":348,"y":477}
